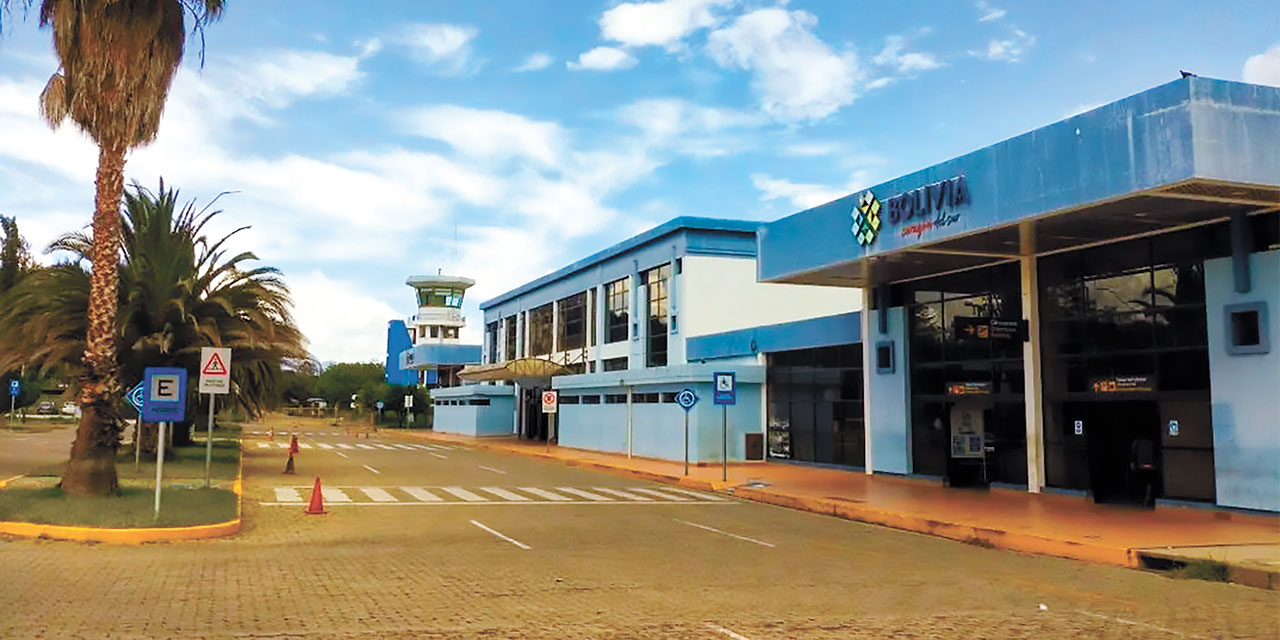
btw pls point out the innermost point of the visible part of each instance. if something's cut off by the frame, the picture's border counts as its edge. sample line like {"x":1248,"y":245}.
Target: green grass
{"x":1210,"y":570}
{"x":187,"y":463}
{"x":134,"y":507}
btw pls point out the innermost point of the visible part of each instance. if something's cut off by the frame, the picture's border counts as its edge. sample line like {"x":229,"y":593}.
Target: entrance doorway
{"x":533,"y":422}
{"x":1121,"y":438}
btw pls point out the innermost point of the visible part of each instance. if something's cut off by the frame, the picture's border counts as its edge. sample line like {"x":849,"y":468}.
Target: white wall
{"x":720,"y":294}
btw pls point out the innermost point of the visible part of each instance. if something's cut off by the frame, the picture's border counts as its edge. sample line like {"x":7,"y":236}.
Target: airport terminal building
{"x":1036,"y":314}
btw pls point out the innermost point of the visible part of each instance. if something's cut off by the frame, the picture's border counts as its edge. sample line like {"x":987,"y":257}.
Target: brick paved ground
{"x":615,"y":570}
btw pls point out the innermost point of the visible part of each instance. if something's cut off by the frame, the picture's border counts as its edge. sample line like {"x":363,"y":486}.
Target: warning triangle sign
{"x":214,"y":367}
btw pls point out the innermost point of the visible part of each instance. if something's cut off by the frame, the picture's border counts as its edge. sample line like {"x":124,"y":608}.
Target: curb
{"x":981,"y":536}
{"x":133,"y":536}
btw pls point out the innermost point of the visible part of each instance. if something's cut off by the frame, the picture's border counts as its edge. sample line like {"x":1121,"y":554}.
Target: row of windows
{"x":666,"y":397}
{"x":474,"y":402}
{"x":448,"y":333}
{"x":440,"y":297}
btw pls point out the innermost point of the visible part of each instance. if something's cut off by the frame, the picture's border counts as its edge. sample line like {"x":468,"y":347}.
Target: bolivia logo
{"x":866,"y":218}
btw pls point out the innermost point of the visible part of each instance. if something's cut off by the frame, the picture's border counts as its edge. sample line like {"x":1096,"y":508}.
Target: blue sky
{"x":362,"y":139}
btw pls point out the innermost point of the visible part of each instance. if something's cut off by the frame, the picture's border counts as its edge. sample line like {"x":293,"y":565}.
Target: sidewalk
{"x":1043,"y":524}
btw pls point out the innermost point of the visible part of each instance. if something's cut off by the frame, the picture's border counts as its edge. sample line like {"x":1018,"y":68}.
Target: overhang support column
{"x":1032,"y":370}
{"x":868,"y":370}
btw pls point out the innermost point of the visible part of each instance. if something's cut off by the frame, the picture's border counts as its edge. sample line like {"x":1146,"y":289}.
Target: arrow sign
{"x":135,"y":396}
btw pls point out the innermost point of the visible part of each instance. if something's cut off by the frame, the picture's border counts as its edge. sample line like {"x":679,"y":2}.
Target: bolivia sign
{"x":215,"y":370}
{"x":165,"y":396}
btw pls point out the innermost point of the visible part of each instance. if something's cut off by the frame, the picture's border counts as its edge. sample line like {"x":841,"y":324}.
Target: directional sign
{"x":164,"y":394}
{"x":408,"y":402}
{"x":215,"y":370}
{"x":15,"y":387}
{"x":550,"y":401}
{"x":725,"y":388}
{"x":135,"y":396}
{"x":686,"y":398}
{"x":380,"y":405}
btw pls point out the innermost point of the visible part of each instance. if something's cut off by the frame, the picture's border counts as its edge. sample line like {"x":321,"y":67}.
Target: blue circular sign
{"x":686,"y":398}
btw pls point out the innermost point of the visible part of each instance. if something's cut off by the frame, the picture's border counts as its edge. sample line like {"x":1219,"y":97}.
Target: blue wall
{"x":398,"y":341}
{"x":432,"y":355}
{"x":495,"y":419}
{"x":1246,"y":390}
{"x":826,"y":331}
{"x":890,"y":403}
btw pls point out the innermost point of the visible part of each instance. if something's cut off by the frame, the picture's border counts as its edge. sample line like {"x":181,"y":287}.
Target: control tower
{"x":439,"y":317}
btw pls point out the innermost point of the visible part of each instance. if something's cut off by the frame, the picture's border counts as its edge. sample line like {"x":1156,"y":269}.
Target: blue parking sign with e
{"x":724,"y":388}
{"x":164,"y":396}
{"x":15,"y":387}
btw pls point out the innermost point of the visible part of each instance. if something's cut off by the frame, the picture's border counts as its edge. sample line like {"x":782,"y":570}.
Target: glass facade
{"x":815,"y":405}
{"x":571,"y":328}
{"x":617,"y":303}
{"x":656,"y":281}
{"x":540,"y":319}
{"x":491,"y":341}
{"x":440,"y":297}
{"x":509,"y":353}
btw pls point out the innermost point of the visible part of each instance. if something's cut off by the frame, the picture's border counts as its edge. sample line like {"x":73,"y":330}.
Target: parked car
{"x":70,"y":409}
{"x":46,"y":408}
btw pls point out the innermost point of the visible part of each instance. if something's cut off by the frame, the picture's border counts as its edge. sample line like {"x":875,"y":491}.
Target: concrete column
{"x":555,"y":327}
{"x":601,"y":327}
{"x":1032,"y":371}
{"x":868,"y":370}
{"x":639,"y":321}
{"x":630,"y":424}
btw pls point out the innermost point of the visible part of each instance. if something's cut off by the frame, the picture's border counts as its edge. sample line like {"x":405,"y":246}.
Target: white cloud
{"x":902,"y":61}
{"x":445,"y":48}
{"x":989,"y":13}
{"x":1008,"y":49}
{"x":535,"y":62}
{"x":1263,"y":68}
{"x":279,"y":78}
{"x":482,"y":133}
{"x":664,"y":23}
{"x":341,"y":322}
{"x":799,"y":194}
{"x":811,"y":149}
{"x":603,"y":59}
{"x":674,"y":123}
{"x":795,"y":75}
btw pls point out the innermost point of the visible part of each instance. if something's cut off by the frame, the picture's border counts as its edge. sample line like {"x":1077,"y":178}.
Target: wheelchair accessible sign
{"x":164,"y":397}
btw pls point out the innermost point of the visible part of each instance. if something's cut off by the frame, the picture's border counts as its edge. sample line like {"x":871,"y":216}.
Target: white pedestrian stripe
{"x":700,"y":496}
{"x":664,"y":496}
{"x":364,"y":446}
{"x":378,"y":495}
{"x":464,"y":494}
{"x":304,"y":445}
{"x":544,"y":494}
{"x":334,"y":494}
{"x":287,"y":494}
{"x":493,"y":470}
{"x":383,"y":446}
{"x":422,"y":494}
{"x":622,"y":494}
{"x":402,"y":446}
{"x":440,"y":456}
{"x":324,"y":445}
{"x":504,"y":494}
{"x":582,"y":494}
{"x":343,"y":445}
{"x":264,"y":445}
{"x":282,"y":445}
{"x":731,"y":634}
{"x":371,"y":469}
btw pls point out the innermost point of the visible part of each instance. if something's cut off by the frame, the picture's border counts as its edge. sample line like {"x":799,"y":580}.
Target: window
{"x":1247,"y":328}
{"x":573,"y":322}
{"x":435,"y":332}
{"x":413,"y":334}
{"x":590,"y":399}
{"x":540,"y":330}
{"x":509,"y":353}
{"x":668,"y":397}
{"x":478,"y":402}
{"x":615,"y":398}
{"x":450,"y":333}
{"x":645,"y":398}
{"x":617,"y":302}
{"x":591,"y":316}
{"x":615,"y":364}
{"x":440,"y":297}
{"x":656,"y":348}
{"x":568,"y":399}
{"x":491,"y":337}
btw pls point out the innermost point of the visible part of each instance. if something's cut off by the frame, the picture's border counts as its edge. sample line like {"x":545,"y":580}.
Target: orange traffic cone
{"x":293,"y":445}
{"x":317,"y":500}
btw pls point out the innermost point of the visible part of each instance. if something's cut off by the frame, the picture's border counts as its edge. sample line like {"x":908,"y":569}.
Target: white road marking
{"x":504,"y":494}
{"x":1138,"y":624}
{"x":303,"y":445}
{"x":334,"y":494}
{"x":371,"y":469}
{"x":264,"y":445}
{"x":583,"y":494}
{"x":464,"y":494}
{"x":697,"y":494}
{"x":664,"y":496}
{"x":614,"y":503}
{"x":545,"y":494}
{"x":493,"y":470}
{"x":427,"y":447}
{"x":343,"y":445}
{"x":286,"y":494}
{"x":282,"y":445}
{"x":378,"y":495}
{"x":384,"y":446}
{"x":731,"y":535}
{"x":622,"y":494}
{"x":439,"y":456}
{"x":422,"y":494}
{"x":512,"y":541}
{"x":364,"y":446}
{"x":731,"y":634}
{"x":343,"y":454}
{"x":324,"y":445}
{"x":404,"y":446}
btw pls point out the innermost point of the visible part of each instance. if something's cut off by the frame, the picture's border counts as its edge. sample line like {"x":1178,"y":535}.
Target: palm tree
{"x":179,"y":291}
{"x":117,"y":61}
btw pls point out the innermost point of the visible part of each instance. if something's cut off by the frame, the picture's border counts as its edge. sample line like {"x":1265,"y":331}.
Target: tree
{"x":117,"y":61}
{"x":341,"y":381}
{"x":15,"y":258}
{"x":179,"y":292}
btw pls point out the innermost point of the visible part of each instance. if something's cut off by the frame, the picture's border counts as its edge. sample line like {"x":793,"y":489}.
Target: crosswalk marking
{"x":504,"y":494}
{"x":364,"y":446}
{"x":264,"y":445}
{"x":583,"y":494}
{"x":323,"y":445}
{"x":282,"y":445}
{"x":402,"y":446}
{"x":286,"y":494}
{"x":544,"y":494}
{"x":343,"y":445}
{"x":333,"y":494}
{"x":383,"y":446}
{"x":378,"y":495}
{"x":700,"y":496}
{"x":422,"y":494}
{"x":464,"y":494}
{"x":665,"y":496}
{"x":304,"y":445}
{"x":623,"y":494}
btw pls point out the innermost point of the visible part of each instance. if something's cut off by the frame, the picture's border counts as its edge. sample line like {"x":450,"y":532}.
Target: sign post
{"x":215,"y":379}
{"x":724,"y":393}
{"x":550,"y":405}
{"x":135,"y":399}
{"x":686,"y":398}
{"x":408,"y":413}
{"x":164,"y":400}
{"x":15,"y":388}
